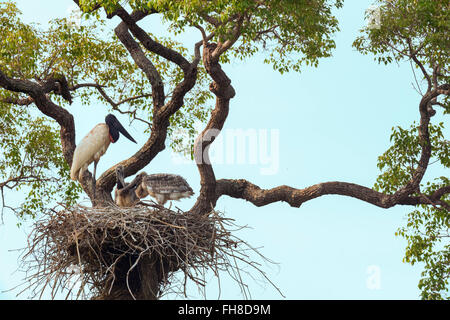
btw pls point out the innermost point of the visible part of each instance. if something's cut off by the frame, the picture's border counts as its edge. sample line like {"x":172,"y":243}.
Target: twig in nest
{"x":110,"y":245}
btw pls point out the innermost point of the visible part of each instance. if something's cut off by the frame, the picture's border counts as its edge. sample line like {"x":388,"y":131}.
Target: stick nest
{"x":94,"y":253}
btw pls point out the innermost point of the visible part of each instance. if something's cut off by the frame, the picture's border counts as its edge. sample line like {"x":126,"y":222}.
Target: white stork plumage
{"x":94,"y":145}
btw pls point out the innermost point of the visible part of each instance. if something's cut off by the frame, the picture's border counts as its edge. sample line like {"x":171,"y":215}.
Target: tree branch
{"x":38,"y":92}
{"x":221,"y":87}
{"x":295,"y":197}
{"x":413,"y":56}
{"x":243,"y":189}
{"x":161,"y":112}
{"x":18,"y":101}
{"x":148,"y":42}
{"x":115,"y":105}
{"x":143,"y":63}
{"x":222,"y":47}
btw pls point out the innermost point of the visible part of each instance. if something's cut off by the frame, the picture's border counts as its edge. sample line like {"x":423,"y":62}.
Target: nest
{"x":142,"y":252}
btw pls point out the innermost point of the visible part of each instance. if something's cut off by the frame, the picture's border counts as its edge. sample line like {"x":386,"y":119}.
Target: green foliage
{"x":427,"y":229}
{"x":427,"y":235}
{"x":19,"y":43}
{"x":419,"y":27}
{"x":292,"y":32}
{"x":423,"y":25}
{"x":417,"y":31}
{"x":400,"y":160}
{"x":197,"y":102}
{"x":30,"y":145}
{"x":32,"y":164}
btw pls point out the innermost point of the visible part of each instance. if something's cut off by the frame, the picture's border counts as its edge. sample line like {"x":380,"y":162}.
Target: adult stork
{"x":125,"y":193}
{"x":94,"y":145}
{"x":163,"y":187}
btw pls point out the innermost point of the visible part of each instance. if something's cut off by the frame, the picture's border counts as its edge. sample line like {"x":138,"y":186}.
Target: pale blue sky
{"x":333,"y":122}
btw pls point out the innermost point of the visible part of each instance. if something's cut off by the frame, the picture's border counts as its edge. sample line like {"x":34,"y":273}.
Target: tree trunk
{"x":142,"y":279}
{"x":134,"y":282}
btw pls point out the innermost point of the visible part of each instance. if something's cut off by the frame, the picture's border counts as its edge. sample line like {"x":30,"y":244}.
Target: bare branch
{"x":413,"y":56}
{"x":18,"y":101}
{"x":246,"y":190}
{"x":148,"y":42}
{"x":143,"y":63}
{"x":38,"y":92}
{"x":222,"y":47}
{"x":221,"y":87}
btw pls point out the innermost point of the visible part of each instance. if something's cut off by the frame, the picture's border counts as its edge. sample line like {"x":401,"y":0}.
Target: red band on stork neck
{"x":111,"y":139}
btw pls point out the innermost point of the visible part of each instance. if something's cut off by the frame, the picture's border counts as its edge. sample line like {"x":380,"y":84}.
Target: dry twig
{"x":96,"y":241}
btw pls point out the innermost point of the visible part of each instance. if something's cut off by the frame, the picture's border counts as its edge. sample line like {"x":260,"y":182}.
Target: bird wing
{"x":90,"y":148}
{"x":166,"y":183}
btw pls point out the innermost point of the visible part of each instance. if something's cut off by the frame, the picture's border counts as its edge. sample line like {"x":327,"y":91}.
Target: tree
{"x":418,"y":31}
{"x":166,"y":87}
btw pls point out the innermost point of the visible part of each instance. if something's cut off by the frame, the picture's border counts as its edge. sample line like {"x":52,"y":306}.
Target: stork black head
{"x":115,"y":128}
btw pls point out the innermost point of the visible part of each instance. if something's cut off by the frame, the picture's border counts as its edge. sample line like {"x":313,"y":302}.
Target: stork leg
{"x":94,"y":182}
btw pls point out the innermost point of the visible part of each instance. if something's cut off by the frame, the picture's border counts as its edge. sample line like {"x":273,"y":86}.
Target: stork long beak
{"x":118,"y":126}
{"x":122,"y":130}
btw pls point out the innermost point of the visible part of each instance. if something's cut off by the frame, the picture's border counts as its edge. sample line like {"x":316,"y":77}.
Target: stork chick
{"x":125,"y":193}
{"x":163,"y":187}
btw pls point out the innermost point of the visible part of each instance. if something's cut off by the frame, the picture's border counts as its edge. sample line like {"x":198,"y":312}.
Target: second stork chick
{"x":163,"y":187}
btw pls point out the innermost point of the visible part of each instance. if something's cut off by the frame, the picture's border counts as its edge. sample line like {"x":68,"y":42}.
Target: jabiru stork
{"x":163,"y":187}
{"x":94,"y":145}
{"x":125,"y":193}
